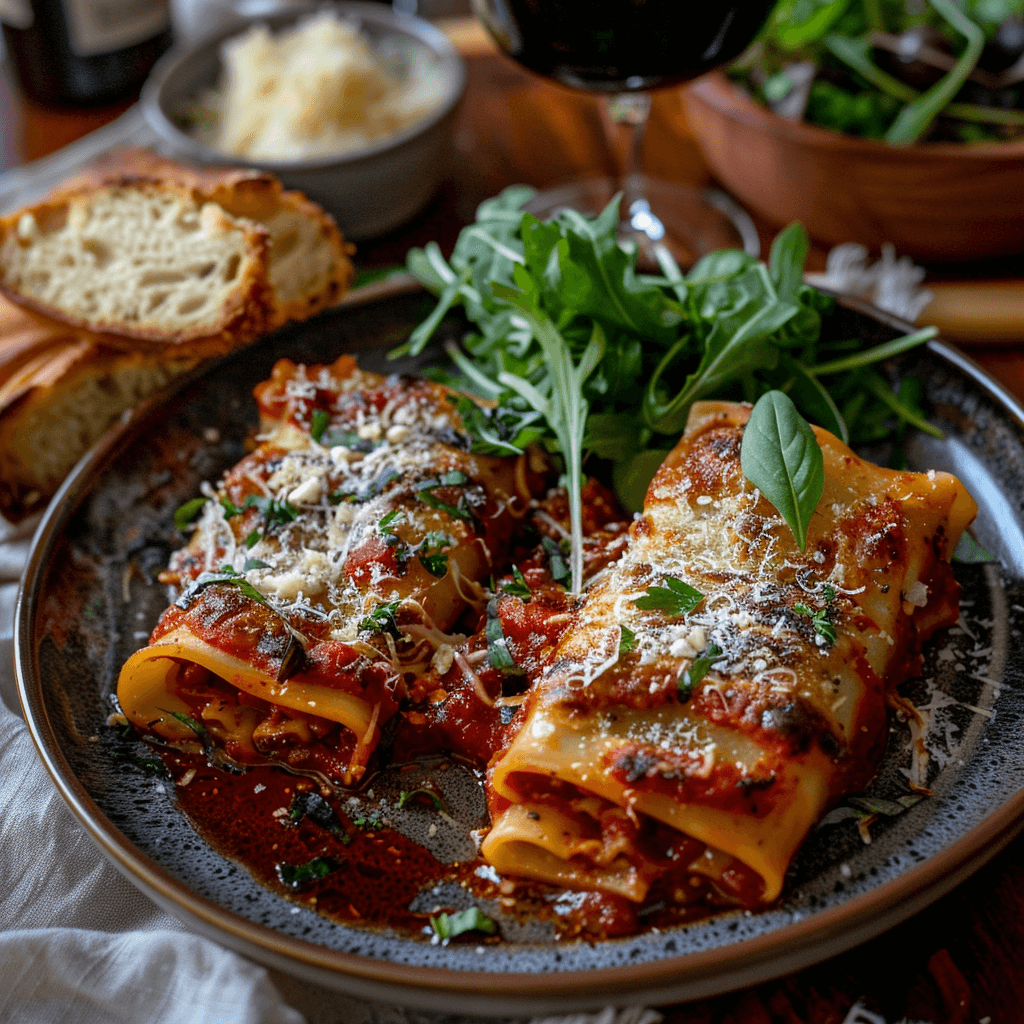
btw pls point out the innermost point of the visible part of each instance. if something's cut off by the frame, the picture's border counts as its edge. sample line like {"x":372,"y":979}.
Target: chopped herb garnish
{"x":455,"y":478}
{"x":190,"y":723}
{"x":316,"y":809}
{"x":447,"y":926}
{"x":382,"y":619}
{"x":147,"y":764}
{"x":697,"y":671}
{"x":227,"y":575}
{"x":627,"y":640}
{"x":335,"y":437}
{"x":498,"y":431}
{"x":186,"y":513}
{"x":359,"y":497}
{"x":556,"y":552}
{"x":498,"y":654}
{"x":404,"y":798}
{"x":276,"y":511}
{"x":518,"y":587}
{"x":675,"y":598}
{"x":297,"y":875}
{"x":432,"y":553}
{"x":369,"y":822}
{"x":819,"y":620}
{"x":391,"y":520}
{"x":253,"y":539}
{"x":318,"y":423}
{"x":254,"y":563}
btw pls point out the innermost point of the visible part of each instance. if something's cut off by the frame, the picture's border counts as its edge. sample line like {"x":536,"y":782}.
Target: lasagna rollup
{"x":718,"y":682}
{"x":361,"y":524}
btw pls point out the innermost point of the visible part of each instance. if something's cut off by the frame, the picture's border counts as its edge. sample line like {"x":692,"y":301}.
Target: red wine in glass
{"x":622,"y":49}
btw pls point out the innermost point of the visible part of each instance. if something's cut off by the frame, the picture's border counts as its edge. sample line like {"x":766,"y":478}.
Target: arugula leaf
{"x":295,"y":876}
{"x":563,"y":406}
{"x":448,"y":926}
{"x":675,"y":598}
{"x":576,"y":350}
{"x":781,"y":457}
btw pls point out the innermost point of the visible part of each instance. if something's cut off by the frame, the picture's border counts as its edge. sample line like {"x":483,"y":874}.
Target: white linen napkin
{"x":79,"y":944}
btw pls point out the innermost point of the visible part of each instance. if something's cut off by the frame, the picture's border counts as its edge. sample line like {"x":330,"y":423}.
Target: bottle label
{"x":16,"y":13}
{"x":103,"y":26}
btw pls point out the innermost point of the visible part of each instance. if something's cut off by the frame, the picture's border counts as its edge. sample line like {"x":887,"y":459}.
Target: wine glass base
{"x":688,"y":221}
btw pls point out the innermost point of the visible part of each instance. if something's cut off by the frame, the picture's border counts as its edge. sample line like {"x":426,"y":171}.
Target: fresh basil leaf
{"x":781,"y":457}
{"x":318,"y":423}
{"x":675,"y":598}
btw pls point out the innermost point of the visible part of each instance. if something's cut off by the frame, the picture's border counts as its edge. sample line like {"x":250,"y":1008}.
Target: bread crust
{"x":64,"y":379}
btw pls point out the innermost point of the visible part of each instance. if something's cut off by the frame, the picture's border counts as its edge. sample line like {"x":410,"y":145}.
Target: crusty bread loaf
{"x":59,"y":391}
{"x":147,"y":249}
{"x":130,"y":275}
{"x":142,"y":261}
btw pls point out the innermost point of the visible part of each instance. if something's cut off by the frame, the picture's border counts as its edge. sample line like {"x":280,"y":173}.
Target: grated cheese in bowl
{"x":316,"y":90}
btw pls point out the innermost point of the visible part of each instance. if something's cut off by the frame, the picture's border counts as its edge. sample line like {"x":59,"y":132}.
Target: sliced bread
{"x":143,"y":248}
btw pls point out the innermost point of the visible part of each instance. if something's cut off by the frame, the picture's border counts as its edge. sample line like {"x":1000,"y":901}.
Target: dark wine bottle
{"x":78,"y":52}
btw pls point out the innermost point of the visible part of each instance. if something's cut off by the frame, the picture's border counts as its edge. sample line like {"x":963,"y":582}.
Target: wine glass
{"x":622,"y":49}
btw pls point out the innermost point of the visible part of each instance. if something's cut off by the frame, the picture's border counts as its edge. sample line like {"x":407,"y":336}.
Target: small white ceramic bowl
{"x":369,"y":191}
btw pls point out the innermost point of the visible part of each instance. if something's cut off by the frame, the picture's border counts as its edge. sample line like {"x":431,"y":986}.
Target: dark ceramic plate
{"x":86,"y":605}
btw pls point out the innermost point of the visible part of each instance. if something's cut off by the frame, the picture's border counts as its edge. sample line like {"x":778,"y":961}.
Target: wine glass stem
{"x":625,"y":116}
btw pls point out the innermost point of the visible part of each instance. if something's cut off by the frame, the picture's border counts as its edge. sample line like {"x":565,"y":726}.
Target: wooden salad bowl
{"x":936,"y":202}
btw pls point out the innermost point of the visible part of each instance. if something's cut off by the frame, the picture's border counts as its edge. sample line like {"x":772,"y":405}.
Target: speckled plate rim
{"x":676,"y":978}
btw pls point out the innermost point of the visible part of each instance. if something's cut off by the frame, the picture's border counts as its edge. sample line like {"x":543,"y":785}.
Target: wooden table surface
{"x":962,"y":960}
